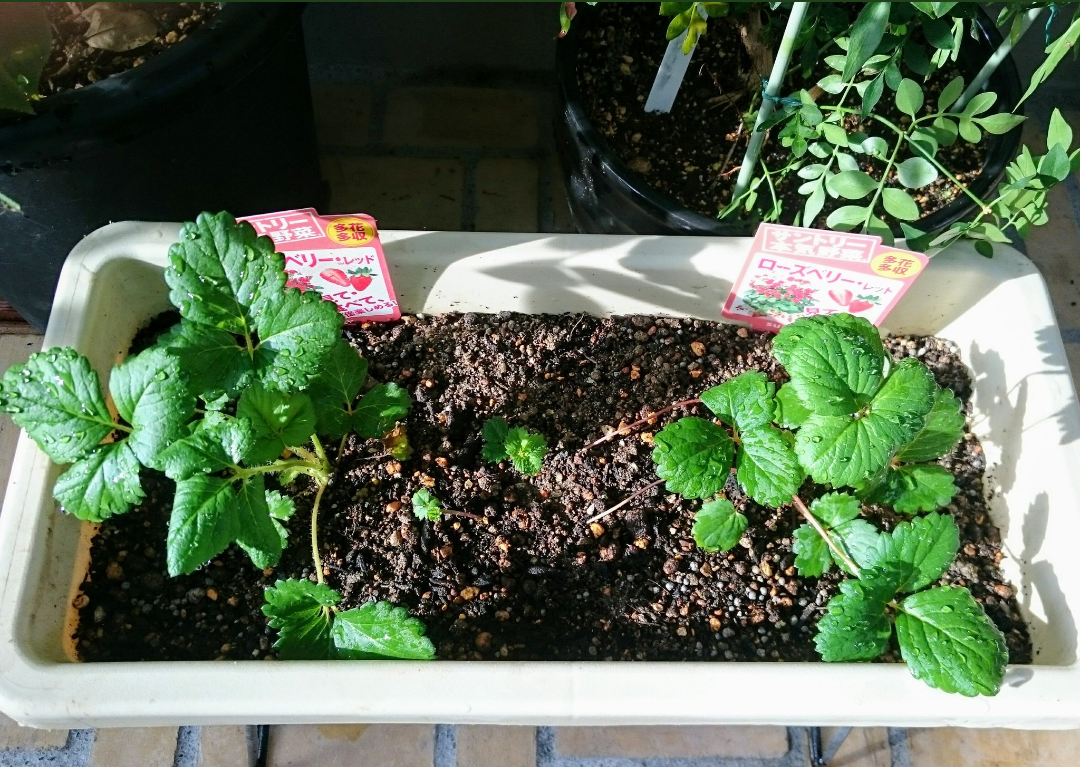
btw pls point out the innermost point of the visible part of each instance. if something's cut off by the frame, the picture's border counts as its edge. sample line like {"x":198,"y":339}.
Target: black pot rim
{"x":76,"y":120}
{"x":1002,"y":149}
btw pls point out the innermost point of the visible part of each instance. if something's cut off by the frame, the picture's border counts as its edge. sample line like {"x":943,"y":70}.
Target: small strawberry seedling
{"x":272,"y":377}
{"x":525,"y":449}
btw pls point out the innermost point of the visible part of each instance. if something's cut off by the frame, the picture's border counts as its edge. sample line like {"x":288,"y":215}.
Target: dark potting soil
{"x":74,"y":61}
{"x":531,"y":580}
{"x":692,"y":154}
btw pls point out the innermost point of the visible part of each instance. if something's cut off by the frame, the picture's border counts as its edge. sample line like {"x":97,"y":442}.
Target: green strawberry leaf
{"x":334,"y":389}
{"x":855,"y":626}
{"x":834,"y":509}
{"x":526,"y":450}
{"x":929,"y":544}
{"x":861,"y":541}
{"x":494,"y":434}
{"x":942,"y":430}
{"x":210,"y":448}
{"x":280,"y":506}
{"x":906,"y":396}
{"x":151,"y":394}
{"x":836,"y":362}
{"x":812,"y":554}
{"x":718,"y":526}
{"x":101,"y":485}
{"x":767,"y":467}
{"x":694,"y":457}
{"x":202,"y":525}
{"x":948,"y":641}
{"x":277,"y":420}
{"x":57,"y":399}
{"x":257,"y":532}
{"x":425,"y":505}
{"x":745,"y":401}
{"x":790,"y":413}
{"x":214,"y":364}
{"x":379,"y":409}
{"x":300,"y":611}
{"x":380,"y":630}
{"x":294,"y":338}
{"x":917,"y":487}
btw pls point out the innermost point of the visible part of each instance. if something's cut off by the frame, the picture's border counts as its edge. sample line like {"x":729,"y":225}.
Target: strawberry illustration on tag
{"x":842,"y":297}
{"x":335,"y":276}
{"x":361,"y":278}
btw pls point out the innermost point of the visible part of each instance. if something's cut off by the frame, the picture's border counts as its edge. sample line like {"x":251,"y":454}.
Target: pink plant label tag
{"x":339,"y":257}
{"x":794,"y":272}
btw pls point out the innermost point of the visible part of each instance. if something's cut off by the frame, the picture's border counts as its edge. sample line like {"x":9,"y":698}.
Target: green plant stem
{"x":341,"y":447}
{"x":836,"y":549}
{"x":10,"y":204}
{"x":772,"y":187}
{"x":319,"y":450}
{"x":315,"y":532}
{"x":308,"y":467}
{"x":884,"y":177}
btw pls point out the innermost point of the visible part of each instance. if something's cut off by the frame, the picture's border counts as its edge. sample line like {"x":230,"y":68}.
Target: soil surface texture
{"x":692,"y":154}
{"x":530,"y":579}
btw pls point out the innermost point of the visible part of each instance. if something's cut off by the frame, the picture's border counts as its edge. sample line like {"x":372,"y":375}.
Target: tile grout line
{"x":75,"y":753}
{"x":900,"y":756}
{"x":188,"y":741}
{"x":445,"y":746}
{"x":469,"y":201}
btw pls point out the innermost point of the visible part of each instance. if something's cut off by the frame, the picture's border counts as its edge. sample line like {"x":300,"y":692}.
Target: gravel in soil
{"x":692,"y":154}
{"x":531,"y":579}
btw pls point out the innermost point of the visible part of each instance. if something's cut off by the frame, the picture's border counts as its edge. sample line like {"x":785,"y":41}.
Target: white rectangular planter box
{"x":1025,"y":413}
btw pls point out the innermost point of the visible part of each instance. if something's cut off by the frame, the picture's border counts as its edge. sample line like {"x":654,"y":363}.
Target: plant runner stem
{"x":776,"y":82}
{"x":642,"y":422}
{"x":623,"y":502}
{"x":459,"y":513}
{"x":836,"y":549}
{"x":315,"y":532}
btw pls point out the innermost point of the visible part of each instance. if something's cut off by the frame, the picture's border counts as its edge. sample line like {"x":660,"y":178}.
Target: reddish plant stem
{"x":642,"y":422}
{"x":457,"y":513}
{"x":839,"y":552}
{"x":623,"y":502}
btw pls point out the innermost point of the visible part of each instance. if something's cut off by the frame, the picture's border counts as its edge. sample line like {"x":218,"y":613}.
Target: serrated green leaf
{"x":294,"y":338}
{"x":380,"y":630}
{"x":928,"y":543}
{"x":909,"y":97}
{"x":280,"y":506}
{"x":425,"y":505}
{"x":917,"y":487}
{"x":151,"y":394}
{"x":767,"y":467}
{"x":866,"y":35}
{"x":999,"y":123}
{"x":950,"y":93}
{"x":277,"y":420}
{"x":526,"y":450}
{"x":941,"y":431}
{"x":57,"y":399}
{"x":899,"y":203}
{"x":694,"y":457}
{"x":1060,"y":131}
{"x":214,"y":363}
{"x":494,"y":434}
{"x":835,"y":361}
{"x":718,"y":526}
{"x":948,"y":641}
{"x":813,"y":557}
{"x":906,"y":396}
{"x":256,"y":531}
{"x":300,"y":611}
{"x":851,"y":184}
{"x":744,"y":401}
{"x":916,"y":172}
{"x":220,"y":273}
{"x":842,"y":450}
{"x":102,"y":484}
{"x":860,"y":540}
{"x":835,"y":508}
{"x":334,"y":389}
{"x":208,"y":449}
{"x":202,"y":524}
{"x":855,"y":626}
{"x":790,"y":411}
{"x":379,"y":409}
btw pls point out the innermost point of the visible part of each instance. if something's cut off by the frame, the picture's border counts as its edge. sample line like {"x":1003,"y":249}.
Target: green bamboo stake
{"x":994,"y":61}
{"x":776,"y":82}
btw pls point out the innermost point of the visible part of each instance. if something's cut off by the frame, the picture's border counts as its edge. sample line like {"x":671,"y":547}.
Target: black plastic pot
{"x":606,"y":197}
{"x":220,"y":121}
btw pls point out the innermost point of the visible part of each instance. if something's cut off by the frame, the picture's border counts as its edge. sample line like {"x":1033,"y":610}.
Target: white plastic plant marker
{"x":672,"y":70}
{"x":1025,"y":414}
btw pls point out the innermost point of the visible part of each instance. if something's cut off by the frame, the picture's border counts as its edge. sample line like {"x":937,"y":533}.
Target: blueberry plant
{"x":245,"y":387}
{"x":865,"y":428}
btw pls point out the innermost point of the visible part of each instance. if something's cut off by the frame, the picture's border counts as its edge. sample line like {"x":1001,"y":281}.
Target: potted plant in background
{"x":143,"y":111}
{"x":895,"y":119}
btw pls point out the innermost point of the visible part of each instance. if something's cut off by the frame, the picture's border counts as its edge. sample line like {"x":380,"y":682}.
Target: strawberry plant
{"x":525,"y":449}
{"x":850,"y":416}
{"x":243,"y":388}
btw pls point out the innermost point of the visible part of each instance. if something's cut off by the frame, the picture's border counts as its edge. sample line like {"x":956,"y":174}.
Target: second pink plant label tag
{"x":793,"y":272}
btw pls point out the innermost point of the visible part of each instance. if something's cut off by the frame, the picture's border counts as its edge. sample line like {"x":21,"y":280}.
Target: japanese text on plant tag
{"x":793,"y":272}
{"x":339,"y":257}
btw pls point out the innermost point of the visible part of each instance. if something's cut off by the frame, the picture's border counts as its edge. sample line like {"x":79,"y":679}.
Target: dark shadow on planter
{"x":1039,"y":578}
